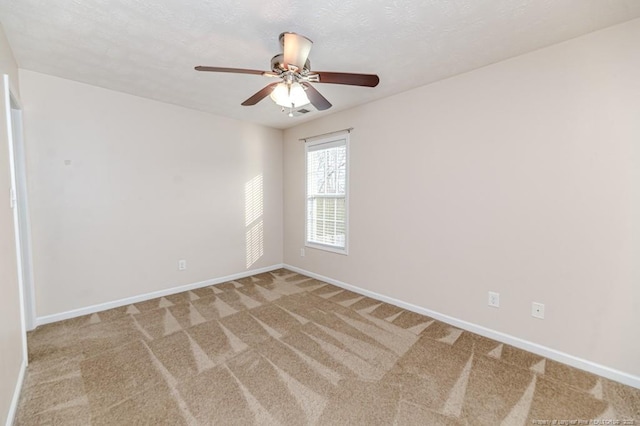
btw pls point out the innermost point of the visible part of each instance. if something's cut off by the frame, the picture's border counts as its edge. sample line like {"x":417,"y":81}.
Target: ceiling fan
{"x":293,"y":70}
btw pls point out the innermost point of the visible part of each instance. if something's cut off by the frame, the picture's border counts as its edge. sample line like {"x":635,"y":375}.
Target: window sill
{"x":337,"y":250}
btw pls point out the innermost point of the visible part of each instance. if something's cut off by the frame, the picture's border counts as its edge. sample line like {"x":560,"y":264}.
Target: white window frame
{"x":333,"y":140}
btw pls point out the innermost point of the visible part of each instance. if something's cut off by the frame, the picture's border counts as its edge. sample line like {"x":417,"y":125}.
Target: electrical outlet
{"x":537,"y":310}
{"x":182,"y":265}
{"x":302,"y":252}
{"x":494,"y":299}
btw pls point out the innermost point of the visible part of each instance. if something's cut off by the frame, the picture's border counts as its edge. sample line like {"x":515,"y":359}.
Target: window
{"x":327,"y":163}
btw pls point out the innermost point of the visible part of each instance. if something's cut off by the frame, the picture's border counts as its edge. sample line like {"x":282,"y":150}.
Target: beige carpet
{"x":281,"y":348}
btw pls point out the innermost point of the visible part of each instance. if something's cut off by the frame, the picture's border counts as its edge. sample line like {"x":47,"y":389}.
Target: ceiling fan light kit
{"x":292,"y":95}
{"x":293,"y":69}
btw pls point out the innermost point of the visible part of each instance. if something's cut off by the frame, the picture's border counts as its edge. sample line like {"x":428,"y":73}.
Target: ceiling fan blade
{"x":317,"y":100}
{"x":260,"y":94}
{"x":368,"y":80}
{"x":296,"y":49}
{"x":232,"y":70}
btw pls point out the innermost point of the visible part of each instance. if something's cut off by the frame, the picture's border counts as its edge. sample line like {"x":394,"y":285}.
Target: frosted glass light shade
{"x":283,"y":97}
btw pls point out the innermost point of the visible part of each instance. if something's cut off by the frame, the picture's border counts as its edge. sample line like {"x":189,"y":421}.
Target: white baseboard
{"x":147,"y":296}
{"x":13,"y":408}
{"x":580,"y":363}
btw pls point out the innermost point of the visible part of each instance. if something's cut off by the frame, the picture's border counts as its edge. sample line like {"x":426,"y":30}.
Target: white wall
{"x":8,"y":64}
{"x":123,"y":187}
{"x":11,"y":357}
{"x":521,"y":177}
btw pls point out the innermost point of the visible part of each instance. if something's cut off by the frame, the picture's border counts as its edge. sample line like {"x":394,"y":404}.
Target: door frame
{"x":13,"y":119}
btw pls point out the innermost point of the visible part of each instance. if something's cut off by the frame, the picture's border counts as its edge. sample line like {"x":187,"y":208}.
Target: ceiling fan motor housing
{"x":278,"y":66}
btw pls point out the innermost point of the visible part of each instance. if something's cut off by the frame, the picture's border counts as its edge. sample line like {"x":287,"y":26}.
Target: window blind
{"x":326,"y":193}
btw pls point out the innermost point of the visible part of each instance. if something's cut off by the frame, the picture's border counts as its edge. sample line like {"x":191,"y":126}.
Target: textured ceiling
{"x":149,"y":47}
